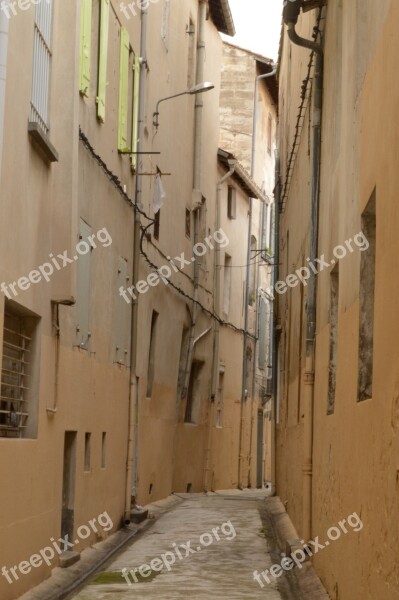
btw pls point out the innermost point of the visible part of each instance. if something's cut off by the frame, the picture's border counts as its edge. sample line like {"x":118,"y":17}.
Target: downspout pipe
{"x":244,"y":389}
{"x":307,"y":468}
{"x":132,"y":450}
{"x":4,"y":28}
{"x":216,"y":278}
{"x":257,"y":299}
{"x":197,"y":194}
{"x":311,"y":304}
{"x":255,"y":112}
{"x":300,"y":41}
{"x":275,"y":318}
{"x":291,"y":12}
{"x":216,"y":333}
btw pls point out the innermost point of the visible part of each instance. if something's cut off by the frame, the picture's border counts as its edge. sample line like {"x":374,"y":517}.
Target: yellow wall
{"x":354,"y":450}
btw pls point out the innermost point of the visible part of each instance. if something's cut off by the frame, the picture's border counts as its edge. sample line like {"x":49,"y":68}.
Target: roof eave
{"x":222,"y":17}
{"x":245,"y":180}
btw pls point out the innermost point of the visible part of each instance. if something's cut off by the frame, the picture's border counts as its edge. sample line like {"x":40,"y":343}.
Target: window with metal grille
{"x":15,"y":377}
{"x":42,"y":65}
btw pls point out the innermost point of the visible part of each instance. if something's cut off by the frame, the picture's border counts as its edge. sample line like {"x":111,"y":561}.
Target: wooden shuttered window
{"x":129,"y":82}
{"x":123,"y":145}
{"x":85,"y":47}
{"x":135,"y":109}
{"x":103,"y":59}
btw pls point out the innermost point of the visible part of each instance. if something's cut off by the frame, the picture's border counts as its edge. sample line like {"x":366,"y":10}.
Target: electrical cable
{"x":208,"y":312}
{"x":117,"y":183}
{"x":300,"y":117}
{"x":111,"y":176}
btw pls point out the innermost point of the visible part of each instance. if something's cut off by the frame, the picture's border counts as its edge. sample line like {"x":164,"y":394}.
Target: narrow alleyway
{"x":222,"y":569}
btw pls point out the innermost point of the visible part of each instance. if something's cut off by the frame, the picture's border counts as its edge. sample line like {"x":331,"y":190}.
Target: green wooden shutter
{"x":135,"y":110}
{"x":85,"y":46}
{"x":102,"y":60}
{"x":123,"y":90}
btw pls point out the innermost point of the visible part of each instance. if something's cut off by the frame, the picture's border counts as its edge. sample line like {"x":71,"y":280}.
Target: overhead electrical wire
{"x":117,"y":183}
{"x":300,"y":119}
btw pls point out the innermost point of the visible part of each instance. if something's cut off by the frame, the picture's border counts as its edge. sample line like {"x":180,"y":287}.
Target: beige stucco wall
{"x":355,"y":450}
{"x":239,"y":71}
{"x":165,"y":445}
{"x":44,"y":203}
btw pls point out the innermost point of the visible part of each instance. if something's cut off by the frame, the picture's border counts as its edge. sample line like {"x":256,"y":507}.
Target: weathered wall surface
{"x":237,"y":114}
{"x":45,"y":203}
{"x":355,"y":448}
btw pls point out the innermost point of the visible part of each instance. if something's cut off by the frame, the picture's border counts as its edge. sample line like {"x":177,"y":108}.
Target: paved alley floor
{"x":214,"y":568}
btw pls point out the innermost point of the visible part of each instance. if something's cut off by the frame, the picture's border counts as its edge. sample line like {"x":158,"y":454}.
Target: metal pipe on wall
{"x":197,"y":194}
{"x":307,"y":468}
{"x":275,"y":316}
{"x":216,"y":337}
{"x":311,"y":305}
{"x":244,"y":390}
{"x":4,"y":28}
{"x":132,"y":451}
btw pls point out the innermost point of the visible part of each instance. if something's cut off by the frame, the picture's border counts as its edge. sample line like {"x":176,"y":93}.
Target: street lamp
{"x":197,"y":89}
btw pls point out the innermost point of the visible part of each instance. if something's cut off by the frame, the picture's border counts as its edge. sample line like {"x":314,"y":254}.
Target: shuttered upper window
{"x":135,"y":110}
{"x":123,"y":90}
{"x":129,"y":80}
{"x":42,"y":52}
{"x":103,"y":59}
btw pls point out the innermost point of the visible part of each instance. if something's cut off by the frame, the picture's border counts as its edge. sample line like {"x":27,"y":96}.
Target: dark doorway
{"x":68,"y":484}
{"x":259,"y":457}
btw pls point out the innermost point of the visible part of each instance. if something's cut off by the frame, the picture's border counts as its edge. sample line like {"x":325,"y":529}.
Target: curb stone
{"x":63,"y":583}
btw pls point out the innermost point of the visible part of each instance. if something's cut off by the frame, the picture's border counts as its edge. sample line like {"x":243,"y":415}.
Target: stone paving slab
{"x":64,"y":581}
{"x":223,"y":569}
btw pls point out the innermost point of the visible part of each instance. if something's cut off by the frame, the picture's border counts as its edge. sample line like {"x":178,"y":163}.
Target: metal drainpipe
{"x":197,"y":195}
{"x":307,"y":467}
{"x":4,"y":27}
{"x":276,"y":269}
{"x":216,"y":310}
{"x":132,"y":451}
{"x":244,"y":391}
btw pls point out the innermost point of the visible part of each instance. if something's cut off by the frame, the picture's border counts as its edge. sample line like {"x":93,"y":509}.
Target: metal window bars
{"x":14,"y":377}
{"x":39,"y":112}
